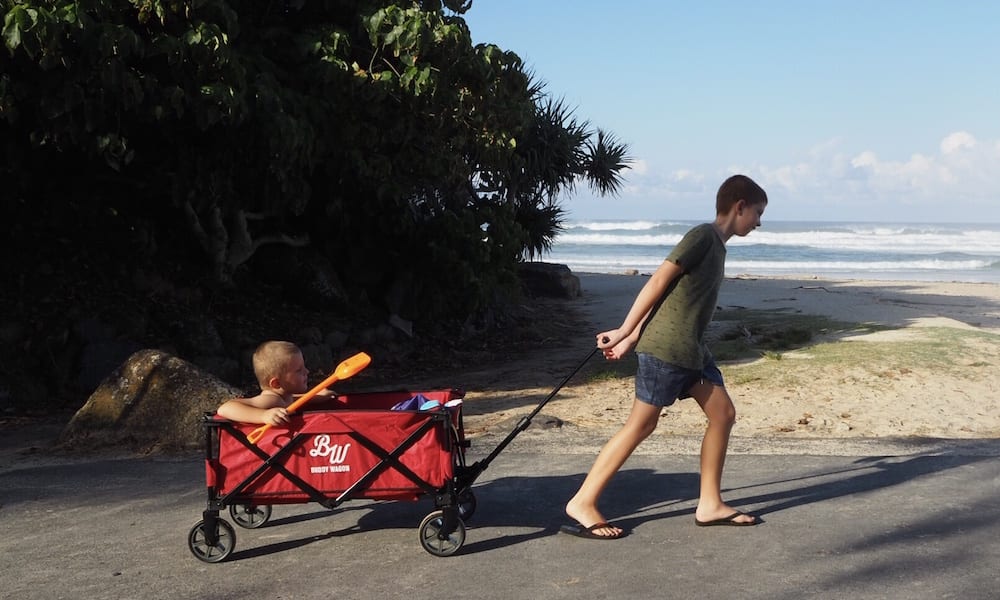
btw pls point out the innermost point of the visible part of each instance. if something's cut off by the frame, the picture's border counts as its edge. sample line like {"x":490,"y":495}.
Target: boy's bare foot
{"x":723,"y":515}
{"x":588,"y":516}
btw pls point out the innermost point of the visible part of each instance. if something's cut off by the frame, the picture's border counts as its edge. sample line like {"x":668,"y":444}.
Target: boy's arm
{"x":628,"y":333}
{"x":263,"y":410}
{"x":648,"y":296}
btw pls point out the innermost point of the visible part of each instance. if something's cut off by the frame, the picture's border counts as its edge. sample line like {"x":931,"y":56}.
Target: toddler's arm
{"x":263,"y":410}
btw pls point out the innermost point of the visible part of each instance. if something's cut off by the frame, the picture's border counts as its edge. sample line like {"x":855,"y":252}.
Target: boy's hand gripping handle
{"x":344,"y":370}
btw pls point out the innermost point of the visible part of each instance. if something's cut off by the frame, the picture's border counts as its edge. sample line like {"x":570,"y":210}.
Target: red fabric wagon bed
{"x":378,"y":445}
{"x":337,"y":443}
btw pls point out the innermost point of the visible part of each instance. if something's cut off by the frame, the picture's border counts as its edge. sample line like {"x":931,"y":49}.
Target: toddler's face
{"x":296,"y":376}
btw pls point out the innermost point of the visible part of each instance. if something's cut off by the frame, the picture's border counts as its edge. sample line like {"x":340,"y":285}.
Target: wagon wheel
{"x":250,"y":516}
{"x":430,"y":539}
{"x":466,"y":505}
{"x":212,"y":553}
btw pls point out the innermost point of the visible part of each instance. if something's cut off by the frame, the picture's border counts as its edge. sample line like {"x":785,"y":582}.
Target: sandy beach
{"x":888,"y":360}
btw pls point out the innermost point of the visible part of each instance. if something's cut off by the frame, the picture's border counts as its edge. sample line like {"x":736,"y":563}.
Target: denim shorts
{"x":661,"y":384}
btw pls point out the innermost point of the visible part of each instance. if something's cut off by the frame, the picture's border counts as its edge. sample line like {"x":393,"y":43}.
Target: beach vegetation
{"x":366,"y":158}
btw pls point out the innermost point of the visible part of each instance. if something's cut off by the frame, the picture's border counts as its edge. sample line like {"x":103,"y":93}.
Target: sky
{"x":842,"y":110}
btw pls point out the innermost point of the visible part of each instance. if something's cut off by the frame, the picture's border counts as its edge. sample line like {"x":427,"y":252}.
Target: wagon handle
{"x":473,"y":471}
{"x":344,"y":370}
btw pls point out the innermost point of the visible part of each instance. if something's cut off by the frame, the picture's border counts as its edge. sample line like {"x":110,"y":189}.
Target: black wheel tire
{"x":431,"y":526}
{"x":212,"y":553}
{"x":466,"y":505}
{"x":249,"y":516}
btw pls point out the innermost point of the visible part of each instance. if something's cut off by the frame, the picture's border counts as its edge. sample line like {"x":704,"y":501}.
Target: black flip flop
{"x":587,"y":533}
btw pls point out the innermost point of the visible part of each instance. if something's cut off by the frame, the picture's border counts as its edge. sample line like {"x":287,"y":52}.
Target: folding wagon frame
{"x":442,"y":532}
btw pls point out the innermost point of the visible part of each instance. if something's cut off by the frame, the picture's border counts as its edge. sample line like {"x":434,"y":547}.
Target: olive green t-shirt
{"x":675,"y":329}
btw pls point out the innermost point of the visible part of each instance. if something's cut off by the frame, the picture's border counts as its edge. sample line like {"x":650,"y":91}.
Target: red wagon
{"x":345,"y":447}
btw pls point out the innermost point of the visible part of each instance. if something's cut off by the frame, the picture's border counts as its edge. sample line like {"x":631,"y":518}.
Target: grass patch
{"x":939,"y":349}
{"x":741,"y":334}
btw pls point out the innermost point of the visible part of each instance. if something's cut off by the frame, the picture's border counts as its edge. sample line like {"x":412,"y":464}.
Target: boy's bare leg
{"x":718,"y":407}
{"x":582,"y":507}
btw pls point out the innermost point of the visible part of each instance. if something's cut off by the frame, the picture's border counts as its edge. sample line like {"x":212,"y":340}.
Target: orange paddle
{"x":344,"y":370}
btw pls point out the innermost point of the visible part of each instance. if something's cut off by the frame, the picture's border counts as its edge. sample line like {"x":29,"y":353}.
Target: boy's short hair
{"x":270,"y":359}
{"x":736,"y":188}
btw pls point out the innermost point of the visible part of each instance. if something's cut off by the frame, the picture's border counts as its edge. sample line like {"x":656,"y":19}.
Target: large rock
{"x":549,"y":279}
{"x":153,"y":401}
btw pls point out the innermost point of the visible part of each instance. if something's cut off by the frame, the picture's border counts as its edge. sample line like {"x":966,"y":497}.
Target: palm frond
{"x":606,"y":159}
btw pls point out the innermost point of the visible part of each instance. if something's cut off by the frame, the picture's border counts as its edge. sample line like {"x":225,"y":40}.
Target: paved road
{"x":896,"y":521}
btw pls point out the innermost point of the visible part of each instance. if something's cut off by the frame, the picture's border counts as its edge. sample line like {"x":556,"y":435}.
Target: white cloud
{"x":958,"y":180}
{"x":651,"y":182}
{"x":687,"y":175}
{"x":865,"y":159}
{"x":789,"y":177}
{"x":956,"y":141}
{"x":639,"y":166}
{"x":825,"y":147}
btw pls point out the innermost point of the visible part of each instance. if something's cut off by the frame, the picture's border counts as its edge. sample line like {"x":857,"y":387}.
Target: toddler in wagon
{"x":282,"y":374}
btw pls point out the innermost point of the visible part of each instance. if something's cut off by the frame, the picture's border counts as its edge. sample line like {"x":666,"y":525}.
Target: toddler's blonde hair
{"x":271,"y":359}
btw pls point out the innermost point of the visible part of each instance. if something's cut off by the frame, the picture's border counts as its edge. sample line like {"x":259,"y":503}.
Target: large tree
{"x":372,"y":135}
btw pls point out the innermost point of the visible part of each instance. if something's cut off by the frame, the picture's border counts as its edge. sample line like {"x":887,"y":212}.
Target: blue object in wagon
{"x":415,"y":403}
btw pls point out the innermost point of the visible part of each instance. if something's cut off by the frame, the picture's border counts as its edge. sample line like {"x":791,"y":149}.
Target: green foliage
{"x":373,"y":133}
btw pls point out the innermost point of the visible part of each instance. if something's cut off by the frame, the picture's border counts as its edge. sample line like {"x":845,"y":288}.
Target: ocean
{"x":834,"y":250}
